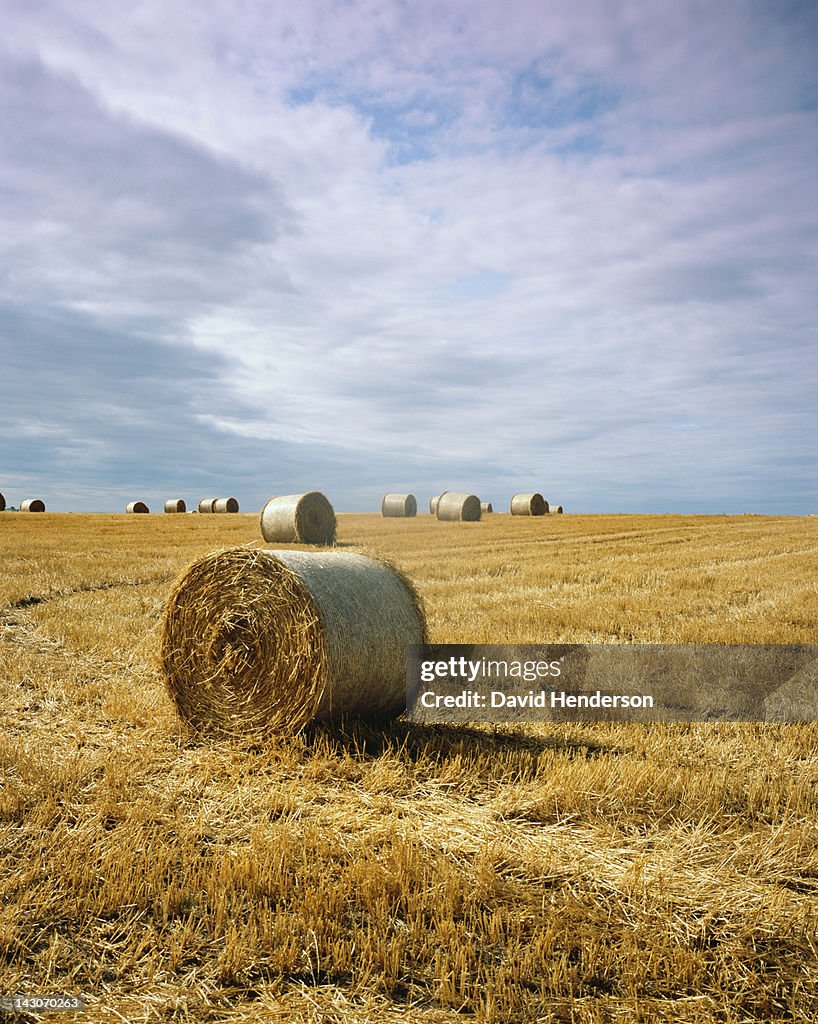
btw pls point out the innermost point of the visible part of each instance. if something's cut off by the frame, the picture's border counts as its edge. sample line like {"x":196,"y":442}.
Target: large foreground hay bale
{"x":175,"y":505}
{"x":461,"y":507}
{"x":259,"y":641}
{"x":298,"y":519}
{"x":137,"y":507}
{"x":433,"y":503}
{"x":486,"y":506}
{"x":528,"y":505}
{"x":399,"y":506}
{"x":225,"y":505}
{"x":2,"y":503}
{"x":32,"y":505}
{"x":206,"y":504}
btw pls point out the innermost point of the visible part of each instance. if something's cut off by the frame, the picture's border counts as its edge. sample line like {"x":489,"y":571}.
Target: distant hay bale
{"x":2,"y":503}
{"x":555,"y":510}
{"x":485,"y":506}
{"x":460,"y":507}
{"x":433,"y":503}
{"x":137,"y":507}
{"x":256,"y":642}
{"x":225,"y":505}
{"x":32,"y":505}
{"x":206,"y":504}
{"x":528,"y":505}
{"x":399,"y":506}
{"x":298,"y":519}
{"x":175,"y":505}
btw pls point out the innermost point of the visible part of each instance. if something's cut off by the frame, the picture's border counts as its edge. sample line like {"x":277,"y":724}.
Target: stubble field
{"x":555,"y":873}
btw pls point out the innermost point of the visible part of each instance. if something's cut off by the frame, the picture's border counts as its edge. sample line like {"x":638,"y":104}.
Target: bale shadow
{"x":368,"y":739}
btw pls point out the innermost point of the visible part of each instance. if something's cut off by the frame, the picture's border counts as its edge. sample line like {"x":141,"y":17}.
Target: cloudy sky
{"x":256,"y":248}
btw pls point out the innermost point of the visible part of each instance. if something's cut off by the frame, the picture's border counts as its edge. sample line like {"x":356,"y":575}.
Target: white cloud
{"x":476,"y":235}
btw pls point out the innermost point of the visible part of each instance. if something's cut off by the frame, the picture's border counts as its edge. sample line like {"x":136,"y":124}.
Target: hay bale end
{"x":528,"y":505}
{"x":298,"y":519}
{"x":399,"y":506}
{"x":222,"y":505}
{"x":256,"y":642}
{"x":454,"y":507}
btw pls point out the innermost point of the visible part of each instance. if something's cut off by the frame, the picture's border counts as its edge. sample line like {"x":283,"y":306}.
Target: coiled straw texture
{"x":298,"y":519}
{"x":175,"y":505}
{"x":462,"y":507}
{"x":528,"y":505}
{"x":399,"y":506}
{"x":256,"y":642}
{"x":2,"y":503}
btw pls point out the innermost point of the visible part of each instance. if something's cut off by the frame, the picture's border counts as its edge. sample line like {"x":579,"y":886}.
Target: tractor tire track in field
{"x":17,"y":626}
{"x":32,"y":599}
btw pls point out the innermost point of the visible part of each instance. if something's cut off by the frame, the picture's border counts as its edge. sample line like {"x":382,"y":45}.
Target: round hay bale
{"x":175,"y":505}
{"x":485,"y":506}
{"x":528,"y":505}
{"x":137,"y":507}
{"x":555,"y":510}
{"x":206,"y":504}
{"x":256,"y":642}
{"x":2,"y":503}
{"x":225,"y":505}
{"x":433,"y":503}
{"x":298,"y":519}
{"x":32,"y":505}
{"x":460,"y":507}
{"x":399,"y":506}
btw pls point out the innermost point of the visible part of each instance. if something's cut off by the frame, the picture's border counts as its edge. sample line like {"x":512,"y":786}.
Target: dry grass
{"x":565,"y":873}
